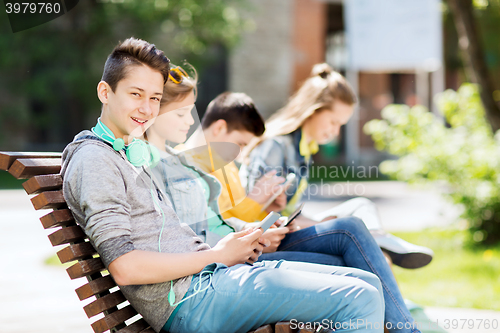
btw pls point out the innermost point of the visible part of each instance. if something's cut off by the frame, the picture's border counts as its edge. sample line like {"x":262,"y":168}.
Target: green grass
{"x":458,"y":276}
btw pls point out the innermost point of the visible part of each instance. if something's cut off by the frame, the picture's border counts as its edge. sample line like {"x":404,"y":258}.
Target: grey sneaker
{"x":402,"y":253}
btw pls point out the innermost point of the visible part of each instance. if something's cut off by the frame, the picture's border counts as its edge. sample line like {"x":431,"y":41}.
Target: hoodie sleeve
{"x":94,"y":188}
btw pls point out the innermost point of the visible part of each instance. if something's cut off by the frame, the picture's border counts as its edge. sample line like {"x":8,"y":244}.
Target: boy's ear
{"x":219,"y":127}
{"x":103,"y":90}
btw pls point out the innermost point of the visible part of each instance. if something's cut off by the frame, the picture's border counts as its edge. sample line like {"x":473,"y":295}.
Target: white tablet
{"x":268,"y":221}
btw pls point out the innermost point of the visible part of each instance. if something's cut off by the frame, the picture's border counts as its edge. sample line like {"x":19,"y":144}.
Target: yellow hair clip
{"x":176,"y":74}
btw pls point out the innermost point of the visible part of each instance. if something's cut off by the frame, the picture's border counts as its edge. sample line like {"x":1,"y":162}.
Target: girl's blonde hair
{"x":173,"y":91}
{"x":176,"y":91}
{"x":319,"y":92}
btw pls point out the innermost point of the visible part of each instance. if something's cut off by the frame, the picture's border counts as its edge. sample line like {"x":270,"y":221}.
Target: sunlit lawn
{"x":457,"y":276}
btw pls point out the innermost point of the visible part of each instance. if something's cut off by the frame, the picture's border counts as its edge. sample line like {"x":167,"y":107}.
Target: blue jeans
{"x":347,"y":242}
{"x":243,"y":297}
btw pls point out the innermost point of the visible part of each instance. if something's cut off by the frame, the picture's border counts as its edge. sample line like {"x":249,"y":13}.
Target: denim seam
{"x":177,"y":324}
{"x":360,"y":248}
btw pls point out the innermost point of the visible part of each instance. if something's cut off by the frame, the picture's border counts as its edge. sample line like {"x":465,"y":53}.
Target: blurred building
{"x":291,"y":36}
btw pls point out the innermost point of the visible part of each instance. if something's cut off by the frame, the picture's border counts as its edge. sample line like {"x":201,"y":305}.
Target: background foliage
{"x":48,"y":73}
{"x":462,"y":153}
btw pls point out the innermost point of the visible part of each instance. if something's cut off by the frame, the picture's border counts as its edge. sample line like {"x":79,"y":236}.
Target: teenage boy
{"x":173,"y":279}
{"x":233,"y":117}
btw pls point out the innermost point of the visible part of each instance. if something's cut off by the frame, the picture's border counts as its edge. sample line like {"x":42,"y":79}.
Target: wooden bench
{"x":45,"y":184}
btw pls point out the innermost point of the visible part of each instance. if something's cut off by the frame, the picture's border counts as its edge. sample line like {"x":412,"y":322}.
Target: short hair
{"x":238,"y":110}
{"x":133,"y":52}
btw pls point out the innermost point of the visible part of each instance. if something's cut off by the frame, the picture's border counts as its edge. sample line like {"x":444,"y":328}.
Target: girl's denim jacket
{"x":186,"y":193}
{"x":280,"y":153}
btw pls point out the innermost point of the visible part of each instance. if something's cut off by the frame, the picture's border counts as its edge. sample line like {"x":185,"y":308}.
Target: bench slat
{"x":284,"y":327}
{"x":113,"y":319}
{"x":95,"y":287}
{"x":148,"y":330}
{"x":58,"y":218}
{"x":42,"y":183}
{"x":76,"y":252}
{"x":25,"y":167}
{"x":137,"y":327}
{"x":85,"y":267}
{"x":104,"y":303}
{"x":48,"y":199}
{"x":67,"y":235}
{"x":8,"y":157}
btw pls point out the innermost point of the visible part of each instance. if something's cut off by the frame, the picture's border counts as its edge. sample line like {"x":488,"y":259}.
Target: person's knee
{"x":352,"y":224}
{"x":372,"y":280}
{"x":369,"y":296}
{"x":373,"y":295}
{"x":367,"y":277}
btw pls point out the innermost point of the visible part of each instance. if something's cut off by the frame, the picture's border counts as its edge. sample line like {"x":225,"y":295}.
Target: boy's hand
{"x":265,"y":187}
{"x":278,"y":204}
{"x":274,"y":236}
{"x":239,"y":247}
{"x":292,"y":226}
{"x":280,"y":221}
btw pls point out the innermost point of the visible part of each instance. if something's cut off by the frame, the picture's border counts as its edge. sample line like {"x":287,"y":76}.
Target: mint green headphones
{"x":139,"y":153}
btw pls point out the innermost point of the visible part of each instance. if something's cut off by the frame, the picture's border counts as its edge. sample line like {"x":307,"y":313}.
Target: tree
{"x":474,"y":57}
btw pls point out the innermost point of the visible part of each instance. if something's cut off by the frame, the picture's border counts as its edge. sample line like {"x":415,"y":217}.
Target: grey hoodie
{"x":113,"y":202}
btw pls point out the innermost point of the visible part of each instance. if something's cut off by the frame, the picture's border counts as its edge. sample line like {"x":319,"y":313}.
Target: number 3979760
{"x":32,"y":8}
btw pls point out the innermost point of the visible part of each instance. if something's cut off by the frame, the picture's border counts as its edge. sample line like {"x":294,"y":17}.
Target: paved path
{"x":401,"y":207}
{"x":36,"y":298}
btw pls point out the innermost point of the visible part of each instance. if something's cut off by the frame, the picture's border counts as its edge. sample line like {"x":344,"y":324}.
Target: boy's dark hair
{"x":238,"y":110}
{"x":133,"y":52}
